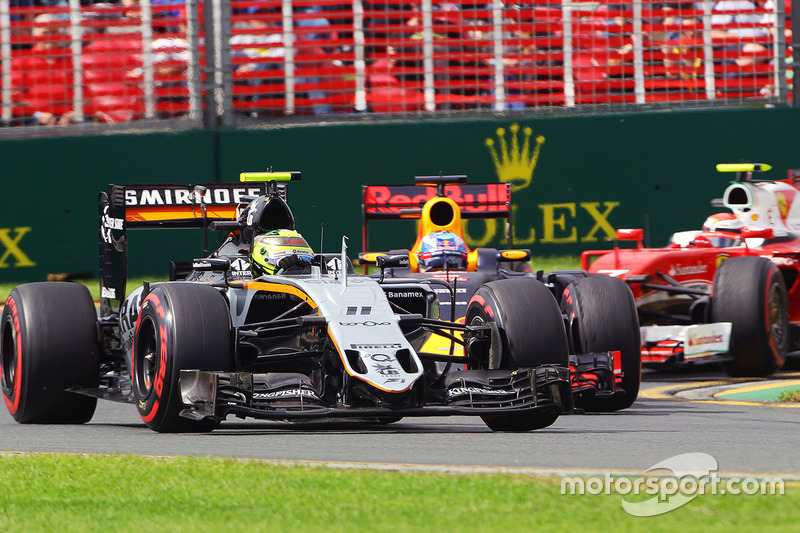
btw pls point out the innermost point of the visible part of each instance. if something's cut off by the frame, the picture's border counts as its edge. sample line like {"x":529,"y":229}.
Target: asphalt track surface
{"x":742,"y":436}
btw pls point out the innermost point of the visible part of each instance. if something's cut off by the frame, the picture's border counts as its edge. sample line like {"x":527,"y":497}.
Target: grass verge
{"x":789,"y":396}
{"x":92,"y":493}
{"x":92,"y":284}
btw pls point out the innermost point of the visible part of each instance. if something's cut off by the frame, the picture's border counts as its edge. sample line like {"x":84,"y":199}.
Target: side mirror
{"x":370,"y":257}
{"x":631,"y":235}
{"x":211,"y":265}
{"x":506,"y":256}
{"x":392,"y":261}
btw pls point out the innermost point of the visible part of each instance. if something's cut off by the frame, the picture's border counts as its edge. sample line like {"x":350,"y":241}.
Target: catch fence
{"x":238,"y":62}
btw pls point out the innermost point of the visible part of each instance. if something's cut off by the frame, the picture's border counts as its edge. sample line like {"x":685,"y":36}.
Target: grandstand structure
{"x":177,"y":63}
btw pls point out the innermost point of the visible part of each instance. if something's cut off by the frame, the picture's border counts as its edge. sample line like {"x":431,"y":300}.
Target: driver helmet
{"x":723,"y":222}
{"x":278,"y":251}
{"x":442,"y":250}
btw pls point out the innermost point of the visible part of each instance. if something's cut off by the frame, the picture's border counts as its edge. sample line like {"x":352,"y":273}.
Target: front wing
{"x":685,"y":344}
{"x":216,"y":395}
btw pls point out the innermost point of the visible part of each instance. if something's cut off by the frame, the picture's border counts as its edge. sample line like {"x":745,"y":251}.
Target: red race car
{"x":727,"y":292}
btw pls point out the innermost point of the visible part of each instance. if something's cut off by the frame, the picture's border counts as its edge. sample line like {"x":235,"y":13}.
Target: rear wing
{"x":398,"y":202}
{"x":160,"y":206}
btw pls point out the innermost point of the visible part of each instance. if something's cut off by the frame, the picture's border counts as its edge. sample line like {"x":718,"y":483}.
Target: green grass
{"x":123,"y":493}
{"x":92,"y":284}
{"x":556,"y":262}
{"x":560,"y":262}
{"x":789,"y":396}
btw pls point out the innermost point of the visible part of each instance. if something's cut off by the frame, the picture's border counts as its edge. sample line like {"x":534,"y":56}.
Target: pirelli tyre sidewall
{"x":750,"y":293}
{"x":48,"y":343}
{"x":601,"y":316}
{"x":180,"y":326}
{"x":532,"y":332}
{"x":530,"y":322}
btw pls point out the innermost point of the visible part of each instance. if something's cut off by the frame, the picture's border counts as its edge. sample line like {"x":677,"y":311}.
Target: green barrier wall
{"x":575,"y":179}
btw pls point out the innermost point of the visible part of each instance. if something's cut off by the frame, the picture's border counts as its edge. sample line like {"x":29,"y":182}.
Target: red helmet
{"x":723,"y":222}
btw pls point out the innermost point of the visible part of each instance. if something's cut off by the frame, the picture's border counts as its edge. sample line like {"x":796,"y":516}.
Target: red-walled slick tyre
{"x":181,"y":326}
{"x":602,"y":317}
{"x":749,"y":292}
{"x":48,"y":343}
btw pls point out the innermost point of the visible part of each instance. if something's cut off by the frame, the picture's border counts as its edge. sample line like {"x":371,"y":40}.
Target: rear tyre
{"x":181,"y":326}
{"x":48,"y":343}
{"x":532,"y":333}
{"x":750,"y":293}
{"x":602,"y":317}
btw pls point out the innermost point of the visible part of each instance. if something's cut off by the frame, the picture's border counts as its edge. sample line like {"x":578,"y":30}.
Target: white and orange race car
{"x":220,"y":340}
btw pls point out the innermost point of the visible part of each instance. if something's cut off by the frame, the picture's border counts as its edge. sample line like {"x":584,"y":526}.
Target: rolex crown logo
{"x":515,"y":165}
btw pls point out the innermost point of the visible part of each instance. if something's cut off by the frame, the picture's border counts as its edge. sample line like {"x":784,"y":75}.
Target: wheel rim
{"x":9,"y":358}
{"x":478,"y":320}
{"x":777,"y":312}
{"x":145,"y":359}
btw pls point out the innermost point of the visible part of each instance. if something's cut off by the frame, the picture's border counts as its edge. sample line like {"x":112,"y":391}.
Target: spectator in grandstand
{"x":311,"y":55}
{"x":454,"y":56}
{"x":257,"y":54}
{"x":684,"y":49}
{"x":171,"y":56}
{"x":259,"y":38}
{"x":386,"y":23}
{"x":42,"y":80}
{"x":746,"y":53}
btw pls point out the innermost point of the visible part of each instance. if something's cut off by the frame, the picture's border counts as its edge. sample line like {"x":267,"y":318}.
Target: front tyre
{"x":749,"y":292}
{"x":48,"y":343}
{"x":602,"y":317}
{"x":532,"y":333}
{"x":181,"y":326}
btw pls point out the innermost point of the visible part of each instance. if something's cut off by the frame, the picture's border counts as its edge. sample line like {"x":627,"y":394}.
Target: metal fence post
{"x":288,"y":57}
{"x":779,"y":48}
{"x":708,"y":53}
{"x":569,"y":71}
{"x":5,"y":65}
{"x":225,"y":93}
{"x":499,"y":67}
{"x":148,"y":76}
{"x":76,"y":45}
{"x":638,"y":54}
{"x":427,"y":52}
{"x":360,"y":55}
{"x":193,"y":67}
{"x":795,"y":48}
{"x":213,"y":78}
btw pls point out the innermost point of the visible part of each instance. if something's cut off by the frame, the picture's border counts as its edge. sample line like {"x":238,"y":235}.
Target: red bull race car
{"x":727,"y":292}
{"x":594,"y":313}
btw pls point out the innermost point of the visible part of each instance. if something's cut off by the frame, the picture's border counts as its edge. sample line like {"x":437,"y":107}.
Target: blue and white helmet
{"x":442,"y":250}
